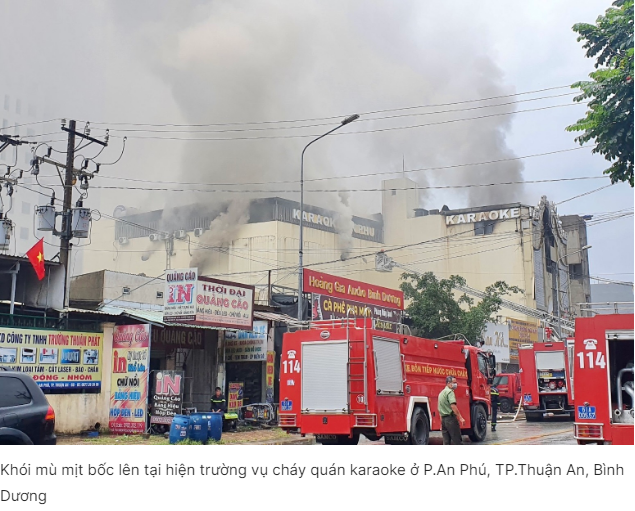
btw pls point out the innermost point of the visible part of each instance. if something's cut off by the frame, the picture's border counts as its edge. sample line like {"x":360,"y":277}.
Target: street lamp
{"x":346,"y":121}
{"x":586,"y":247}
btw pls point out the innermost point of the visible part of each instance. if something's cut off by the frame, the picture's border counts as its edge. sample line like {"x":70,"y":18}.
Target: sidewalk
{"x":255,"y":436}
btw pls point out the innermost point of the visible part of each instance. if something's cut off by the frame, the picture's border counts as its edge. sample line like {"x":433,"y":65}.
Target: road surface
{"x":551,"y":431}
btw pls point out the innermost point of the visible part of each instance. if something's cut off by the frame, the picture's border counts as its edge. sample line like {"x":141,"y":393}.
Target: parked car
{"x":26,"y":418}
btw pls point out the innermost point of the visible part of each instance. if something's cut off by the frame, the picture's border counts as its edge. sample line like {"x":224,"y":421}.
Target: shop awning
{"x":155,"y":317}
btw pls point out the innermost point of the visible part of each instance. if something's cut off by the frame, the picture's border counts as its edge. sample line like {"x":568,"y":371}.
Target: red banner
{"x":346,"y":289}
{"x":129,"y":378}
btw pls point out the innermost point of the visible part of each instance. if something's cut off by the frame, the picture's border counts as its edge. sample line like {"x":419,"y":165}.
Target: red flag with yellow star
{"x":36,"y":256}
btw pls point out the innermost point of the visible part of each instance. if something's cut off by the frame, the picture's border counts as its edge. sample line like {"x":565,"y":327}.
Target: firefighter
{"x":218,"y":401}
{"x":451,"y":419}
{"x":493,"y":392}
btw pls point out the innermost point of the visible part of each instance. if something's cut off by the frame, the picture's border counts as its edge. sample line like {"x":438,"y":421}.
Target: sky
{"x":119,"y":64}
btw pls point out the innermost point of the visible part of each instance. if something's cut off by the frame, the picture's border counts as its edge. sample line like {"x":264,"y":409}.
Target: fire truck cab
{"x":342,"y":378}
{"x":604,"y":379}
{"x":509,"y":390}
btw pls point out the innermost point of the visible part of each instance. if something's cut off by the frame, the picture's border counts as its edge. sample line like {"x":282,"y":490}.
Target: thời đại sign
{"x":193,"y":300}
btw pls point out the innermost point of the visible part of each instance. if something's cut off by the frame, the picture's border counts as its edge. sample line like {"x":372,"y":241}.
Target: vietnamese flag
{"x":36,"y":256}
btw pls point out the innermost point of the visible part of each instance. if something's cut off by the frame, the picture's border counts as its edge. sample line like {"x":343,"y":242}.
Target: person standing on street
{"x":451,"y":419}
{"x":493,"y":392}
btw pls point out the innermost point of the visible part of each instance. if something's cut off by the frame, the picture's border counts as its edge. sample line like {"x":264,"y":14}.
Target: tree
{"x":609,"y":120}
{"x":436,"y":312}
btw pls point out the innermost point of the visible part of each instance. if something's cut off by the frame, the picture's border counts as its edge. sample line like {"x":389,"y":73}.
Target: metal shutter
{"x":388,"y":366}
{"x":549,"y":360}
{"x":324,"y":381}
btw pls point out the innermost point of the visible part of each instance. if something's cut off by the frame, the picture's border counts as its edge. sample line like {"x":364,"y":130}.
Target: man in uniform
{"x":493,"y":392}
{"x":218,"y":401}
{"x":450,"y":414}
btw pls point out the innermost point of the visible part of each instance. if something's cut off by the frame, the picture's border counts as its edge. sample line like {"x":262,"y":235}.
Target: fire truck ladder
{"x":385,"y":264}
{"x":357,"y":362}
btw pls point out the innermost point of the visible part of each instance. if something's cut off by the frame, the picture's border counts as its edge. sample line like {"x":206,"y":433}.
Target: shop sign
{"x":346,"y":289}
{"x":178,"y":337}
{"x":520,"y":332}
{"x":241,"y":346}
{"x":470,"y":218}
{"x":58,"y":361}
{"x":129,"y":379}
{"x":327,"y":307}
{"x":235,"y":396}
{"x":271,"y":360}
{"x":167,"y":396}
{"x":179,"y":298}
{"x":207,"y":302}
{"x":496,"y":340}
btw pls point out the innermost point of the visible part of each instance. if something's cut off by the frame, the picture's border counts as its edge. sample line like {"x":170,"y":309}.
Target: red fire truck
{"x":341,"y":379}
{"x":509,"y":391}
{"x":604,"y":379}
{"x":546,"y":379}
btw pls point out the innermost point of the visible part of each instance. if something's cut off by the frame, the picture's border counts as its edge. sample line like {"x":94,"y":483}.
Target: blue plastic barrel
{"x":179,"y":427}
{"x":215,"y":426}
{"x":198,"y":427}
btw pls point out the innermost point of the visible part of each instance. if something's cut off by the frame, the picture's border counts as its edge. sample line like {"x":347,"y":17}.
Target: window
{"x":18,"y":106}
{"x":575,"y":271}
{"x":14,"y":393}
{"x":394,"y":192}
{"x":500,"y":380}
{"x":482,"y":228}
{"x":125,"y":290}
{"x":159,"y":294}
{"x":24,"y":233}
{"x":7,"y":101}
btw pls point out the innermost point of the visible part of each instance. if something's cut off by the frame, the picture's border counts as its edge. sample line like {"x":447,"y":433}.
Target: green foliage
{"x":609,"y":120}
{"x":436,"y":312}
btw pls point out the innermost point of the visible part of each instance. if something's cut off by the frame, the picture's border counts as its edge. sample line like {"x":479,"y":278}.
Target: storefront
{"x":246,"y":362}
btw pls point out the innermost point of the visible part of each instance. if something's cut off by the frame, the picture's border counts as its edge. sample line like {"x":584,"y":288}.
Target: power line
{"x":291,"y":181}
{"x":336,"y":190}
{"x":363,"y":119}
{"x":369,"y":112}
{"x":378,"y":130}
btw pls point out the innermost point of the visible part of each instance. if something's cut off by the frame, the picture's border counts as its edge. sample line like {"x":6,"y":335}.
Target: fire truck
{"x":340,"y":379}
{"x":604,"y":379}
{"x":546,"y":379}
{"x":509,"y":390}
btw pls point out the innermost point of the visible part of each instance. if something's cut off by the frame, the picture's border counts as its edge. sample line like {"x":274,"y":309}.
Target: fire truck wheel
{"x":419,"y":427}
{"x":479,"y":424}
{"x":506,"y":405}
{"x":533,"y":417}
{"x":344,"y":440}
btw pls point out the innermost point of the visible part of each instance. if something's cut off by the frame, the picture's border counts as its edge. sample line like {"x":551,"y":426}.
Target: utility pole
{"x":67,"y":212}
{"x":65,"y":238}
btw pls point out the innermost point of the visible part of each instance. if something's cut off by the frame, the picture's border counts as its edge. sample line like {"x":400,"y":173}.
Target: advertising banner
{"x":271,"y":360}
{"x":129,"y":384}
{"x":58,"y":361}
{"x":247,"y":346}
{"x":346,"y":289}
{"x":235,"y":396}
{"x":167,"y":396}
{"x":172,"y":337}
{"x":520,"y":332}
{"x":190,"y":299}
{"x":327,"y":307}
{"x":179,"y":298}
{"x":496,"y":340}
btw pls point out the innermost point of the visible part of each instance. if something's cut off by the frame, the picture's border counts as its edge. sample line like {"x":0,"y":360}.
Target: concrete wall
{"x":77,"y":412}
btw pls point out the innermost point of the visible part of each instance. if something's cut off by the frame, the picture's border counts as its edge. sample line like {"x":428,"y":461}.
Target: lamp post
{"x":346,"y":121}
{"x":586,"y":247}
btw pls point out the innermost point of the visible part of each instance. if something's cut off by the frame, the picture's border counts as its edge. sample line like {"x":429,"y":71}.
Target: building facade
{"x":526,"y":246}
